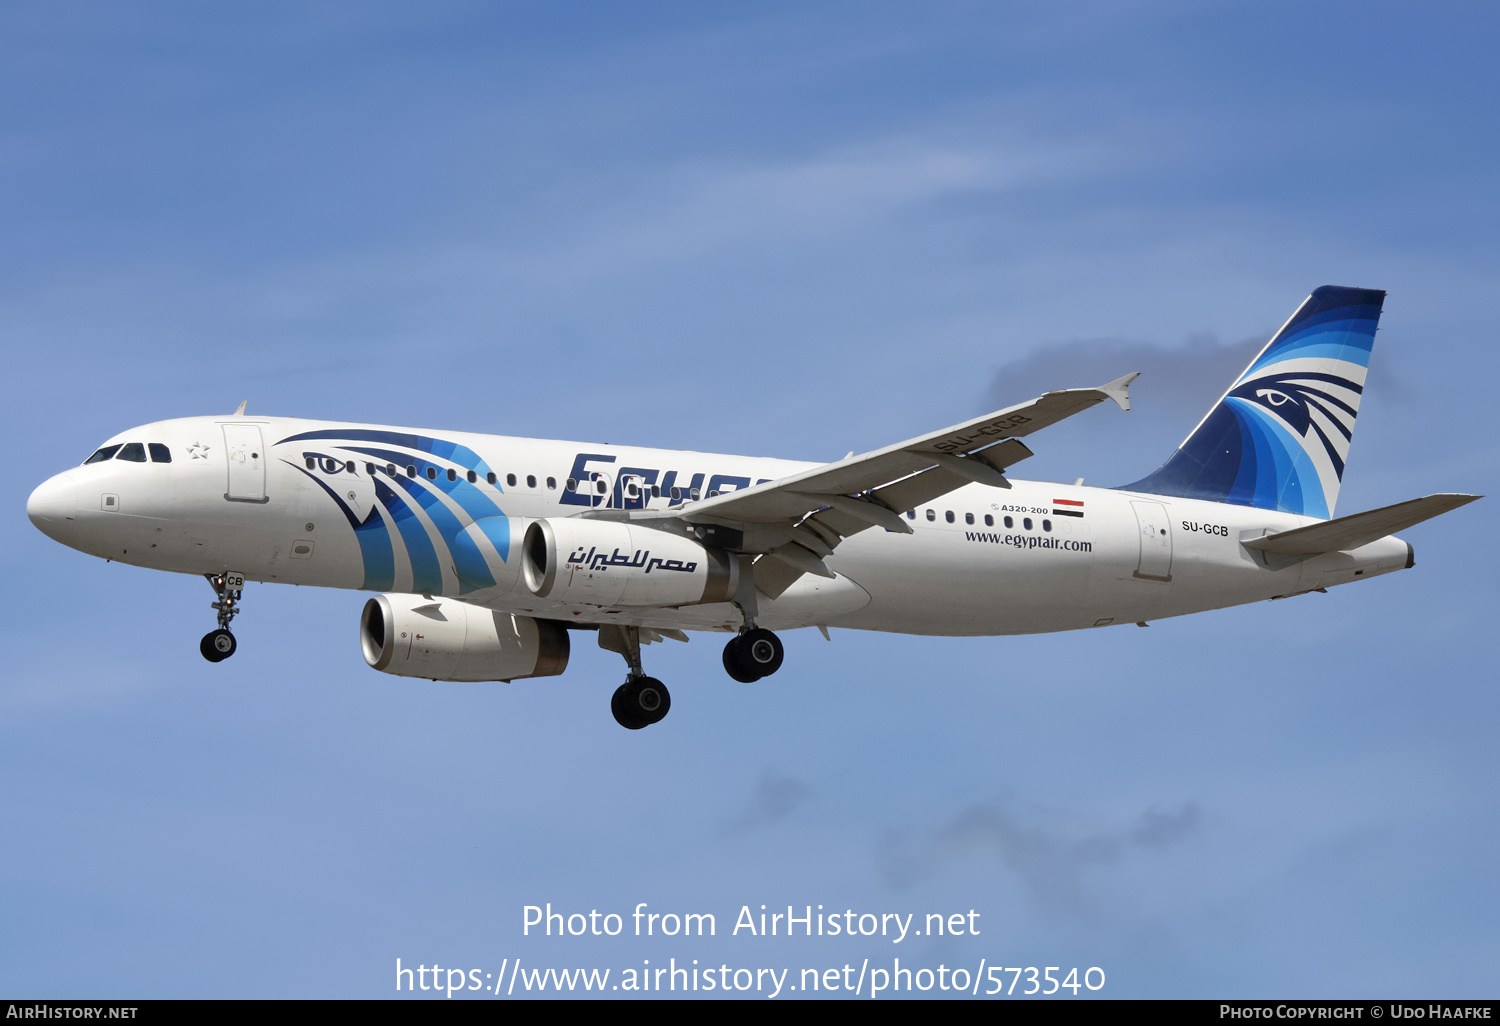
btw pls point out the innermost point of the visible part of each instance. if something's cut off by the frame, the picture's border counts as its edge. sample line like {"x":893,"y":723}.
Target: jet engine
{"x":441,"y":639}
{"x":606,"y":563}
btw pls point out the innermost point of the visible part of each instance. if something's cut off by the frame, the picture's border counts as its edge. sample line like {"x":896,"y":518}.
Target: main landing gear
{"x":641,"y":700}
{"x":219,"y":645}
{"x":752,"y":654}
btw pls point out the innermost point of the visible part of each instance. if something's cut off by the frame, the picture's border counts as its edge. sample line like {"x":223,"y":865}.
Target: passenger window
{"x":510,"y":479}
{"x":311,"y":463}
{"x":600,"y":486}
{"x":390,"y":470}
{"x":135,"y":452}
{"x":159,"y":453}
{"x":551,"y":484}
{"x":350,"y":467}
{"x":490,"y":477}
{"x":432,"y":473}
{"x":473,"y":477}
{"x":1026,"y":523}
{"x":694,"y":494}
{"x":106,"y":453}
{"x":530,"y":480}
{"x":1009,"y":522}
{"x":931,"y":515}
{"x":370,"y":469}
{"x":676,"y":493}
{"x":656,"y":491}
{"x":1046,"y":525}
{"x":989,"y":521}
{"x":948,"y":516}
{"x":911,"y":514}
{"x":452,"y":474}
{"x":571,"y":485}
{"x":968,"y":518}
{"x":411,"y":471}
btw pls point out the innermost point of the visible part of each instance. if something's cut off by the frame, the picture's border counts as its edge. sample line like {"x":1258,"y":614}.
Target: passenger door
{"x":246,"y":456}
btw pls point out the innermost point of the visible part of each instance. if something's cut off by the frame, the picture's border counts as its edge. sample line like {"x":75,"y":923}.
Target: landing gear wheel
{"x":640,"y":702}
{"x":752,"y":655}
{"x":217,"y":646}
{"x":736,"y":664}
{"x":762,"y":650}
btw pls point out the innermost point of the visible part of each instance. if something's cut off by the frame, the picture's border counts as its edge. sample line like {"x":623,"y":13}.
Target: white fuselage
{"x":307,"y":502}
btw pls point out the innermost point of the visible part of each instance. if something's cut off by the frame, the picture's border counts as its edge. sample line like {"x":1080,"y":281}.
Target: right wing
{"x":794,"y":522}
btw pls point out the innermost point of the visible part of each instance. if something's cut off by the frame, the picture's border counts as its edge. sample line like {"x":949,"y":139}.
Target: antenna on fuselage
{"x":240,"y":410}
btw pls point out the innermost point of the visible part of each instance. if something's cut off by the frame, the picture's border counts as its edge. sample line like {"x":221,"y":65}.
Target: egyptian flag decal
{"x":1067,"y":508}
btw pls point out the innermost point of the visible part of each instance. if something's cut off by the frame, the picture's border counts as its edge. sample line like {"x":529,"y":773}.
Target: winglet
{"x":1119,"y":389}
{"x":240,"y":411}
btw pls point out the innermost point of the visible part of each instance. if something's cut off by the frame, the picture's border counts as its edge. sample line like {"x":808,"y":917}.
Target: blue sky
{"x":788,"y":230}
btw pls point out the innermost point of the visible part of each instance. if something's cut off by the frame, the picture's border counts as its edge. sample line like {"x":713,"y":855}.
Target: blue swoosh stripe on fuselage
{"x":427,"y":576}
{"x":375,"y":549}
{"x":451,"y":451}
{"x":469,"y":497}
{"x":449,"y":528}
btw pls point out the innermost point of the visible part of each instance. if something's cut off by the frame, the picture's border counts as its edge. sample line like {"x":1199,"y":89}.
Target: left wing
{"x":795,"y":521}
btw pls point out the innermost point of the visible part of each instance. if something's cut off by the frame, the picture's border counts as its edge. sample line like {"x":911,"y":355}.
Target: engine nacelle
{"x":606,"y":563}
{"x":413,"y":636}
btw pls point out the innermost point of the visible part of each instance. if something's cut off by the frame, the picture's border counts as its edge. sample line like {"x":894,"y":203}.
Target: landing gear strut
{"x":752,"y":654}
{"x":641,"y":700}
{"x":755,"y":652}
{"x":219,"y":645}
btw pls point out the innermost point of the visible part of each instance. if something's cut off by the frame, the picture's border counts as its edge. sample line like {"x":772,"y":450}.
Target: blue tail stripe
{"x":1263,"y":443}
{"x":1343,"y":333}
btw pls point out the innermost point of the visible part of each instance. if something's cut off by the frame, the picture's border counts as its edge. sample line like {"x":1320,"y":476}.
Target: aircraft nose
{"x":53,"y":507}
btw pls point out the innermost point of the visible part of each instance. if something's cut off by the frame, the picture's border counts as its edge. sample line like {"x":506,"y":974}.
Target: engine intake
{"x":607,"y":564}
{"x":440,"y":639}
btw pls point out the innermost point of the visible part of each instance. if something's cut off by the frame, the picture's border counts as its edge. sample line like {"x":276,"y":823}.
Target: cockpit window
{"x":159,"y":453}
{"x":106,"y":453}
{"x":135,"y":452}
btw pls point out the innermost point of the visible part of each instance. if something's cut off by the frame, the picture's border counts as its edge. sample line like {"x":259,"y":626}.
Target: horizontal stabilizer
{"x":1351,"y":532}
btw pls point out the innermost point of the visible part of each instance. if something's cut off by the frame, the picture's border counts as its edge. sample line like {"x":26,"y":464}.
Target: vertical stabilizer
{"x":1279,"y":437}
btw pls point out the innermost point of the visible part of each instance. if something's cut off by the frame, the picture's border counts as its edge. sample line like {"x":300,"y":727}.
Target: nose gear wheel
{"x":219,"y":645}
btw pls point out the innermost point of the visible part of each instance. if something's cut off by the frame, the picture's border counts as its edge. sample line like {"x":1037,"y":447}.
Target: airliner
{"x":487,"y":553}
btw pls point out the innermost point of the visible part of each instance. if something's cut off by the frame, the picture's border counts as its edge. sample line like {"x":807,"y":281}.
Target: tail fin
{"x":1279,"y":437}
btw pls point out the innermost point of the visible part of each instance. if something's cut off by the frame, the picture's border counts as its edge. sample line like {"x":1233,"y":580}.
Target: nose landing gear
{"x":219,"y":645}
